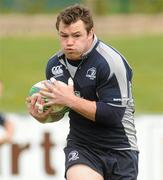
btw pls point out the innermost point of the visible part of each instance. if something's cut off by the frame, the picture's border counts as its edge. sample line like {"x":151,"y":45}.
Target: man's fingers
{"x":40,"y":107}
{"x":33,"y":100}
{"x":49,"y":103}
{"x":47,"y":94}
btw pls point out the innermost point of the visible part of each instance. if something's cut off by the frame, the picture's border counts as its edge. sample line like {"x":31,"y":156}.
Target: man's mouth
{"x":69,"y":49}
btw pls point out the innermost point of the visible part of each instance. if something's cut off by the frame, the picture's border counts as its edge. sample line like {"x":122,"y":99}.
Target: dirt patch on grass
{"x":109,"y":25}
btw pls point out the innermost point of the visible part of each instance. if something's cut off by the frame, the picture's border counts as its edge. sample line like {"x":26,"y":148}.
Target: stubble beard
{"x":73,"y":55}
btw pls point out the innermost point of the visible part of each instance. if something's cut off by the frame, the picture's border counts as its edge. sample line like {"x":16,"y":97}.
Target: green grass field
{"x":23,"y":61}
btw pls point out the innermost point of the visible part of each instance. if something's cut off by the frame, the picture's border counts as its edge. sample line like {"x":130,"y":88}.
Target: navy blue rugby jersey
{"x":104,"y":76}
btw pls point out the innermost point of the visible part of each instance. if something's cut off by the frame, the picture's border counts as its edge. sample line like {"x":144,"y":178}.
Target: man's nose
{"x":70,"y":41}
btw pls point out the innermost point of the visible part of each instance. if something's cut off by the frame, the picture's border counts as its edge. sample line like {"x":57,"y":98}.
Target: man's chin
{"x":73,"y":56}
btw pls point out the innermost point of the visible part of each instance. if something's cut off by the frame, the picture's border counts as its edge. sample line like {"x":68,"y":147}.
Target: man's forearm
{"x":84,"y":107}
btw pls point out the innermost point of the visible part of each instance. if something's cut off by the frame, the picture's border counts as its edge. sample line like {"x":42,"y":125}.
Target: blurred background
{"x":28,"y":39}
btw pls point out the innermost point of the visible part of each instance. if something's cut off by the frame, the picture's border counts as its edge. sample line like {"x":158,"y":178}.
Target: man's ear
{"x":91,"y":33}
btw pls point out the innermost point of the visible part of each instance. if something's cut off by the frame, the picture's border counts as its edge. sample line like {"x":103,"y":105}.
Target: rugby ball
{"x":57,"y":109}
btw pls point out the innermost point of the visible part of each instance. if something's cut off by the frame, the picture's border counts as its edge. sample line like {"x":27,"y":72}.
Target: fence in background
{"x":37,"y":149}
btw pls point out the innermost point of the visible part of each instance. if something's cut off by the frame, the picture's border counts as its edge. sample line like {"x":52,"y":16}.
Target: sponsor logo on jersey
{"x":91,"y":73}
{"x":123,"y":101}
{"x":73,"y":155}
{"x":57,"y":71}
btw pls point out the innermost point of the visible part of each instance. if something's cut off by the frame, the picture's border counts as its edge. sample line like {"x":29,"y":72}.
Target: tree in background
{"x":98,"y":7}
{"x":102,"y":7}
{"x":148,"y":6}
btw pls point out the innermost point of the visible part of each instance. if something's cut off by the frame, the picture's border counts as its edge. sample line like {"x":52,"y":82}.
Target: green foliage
{"x":147,"y":6}
{"x":23,"y":61}
{"x":34,"y":6}
{"x":99,"y":7}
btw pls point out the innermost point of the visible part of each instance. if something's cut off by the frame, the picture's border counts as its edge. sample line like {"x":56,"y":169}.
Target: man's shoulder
{"x":104,"y":47}
{"x":108,"y":52}
{"x":54,"y":57}
{"x":54,"y":65}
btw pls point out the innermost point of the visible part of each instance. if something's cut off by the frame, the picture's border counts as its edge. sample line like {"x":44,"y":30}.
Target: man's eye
{"x":64,"y":36}
{"x":77,"y":35}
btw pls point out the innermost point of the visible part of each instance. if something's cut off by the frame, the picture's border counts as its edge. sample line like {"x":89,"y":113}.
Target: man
{"x":101,"y":144}
{"x":6,"y":124}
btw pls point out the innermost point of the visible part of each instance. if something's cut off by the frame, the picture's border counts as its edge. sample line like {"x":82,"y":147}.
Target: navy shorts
{"x":111,"y":164}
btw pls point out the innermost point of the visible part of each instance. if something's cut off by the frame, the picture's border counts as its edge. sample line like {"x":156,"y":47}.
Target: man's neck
{"x":91,"y":45}
{"x":74,"y":63}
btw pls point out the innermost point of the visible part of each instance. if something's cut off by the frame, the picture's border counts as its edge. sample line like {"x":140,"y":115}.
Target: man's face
{"x":74,"y":39}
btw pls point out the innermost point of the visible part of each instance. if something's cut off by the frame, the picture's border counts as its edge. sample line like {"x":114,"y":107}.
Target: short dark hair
{"x":74,"y":13}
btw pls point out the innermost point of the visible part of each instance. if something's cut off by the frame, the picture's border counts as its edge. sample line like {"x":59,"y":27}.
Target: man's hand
{"x":59,"y":93}
{"x":63,"y":94}
{"x":34,"y":110}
